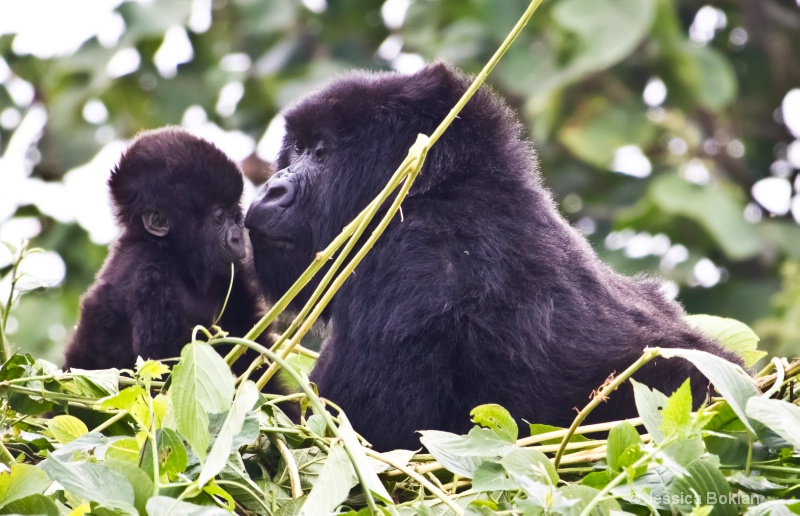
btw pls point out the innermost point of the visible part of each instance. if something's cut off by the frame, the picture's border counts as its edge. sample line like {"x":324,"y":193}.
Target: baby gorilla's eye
{"x":298,"y":148}
{"x":219,"y":215}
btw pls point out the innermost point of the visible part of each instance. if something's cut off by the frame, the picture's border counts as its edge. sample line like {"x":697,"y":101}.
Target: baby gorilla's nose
{"x":235,"y":242}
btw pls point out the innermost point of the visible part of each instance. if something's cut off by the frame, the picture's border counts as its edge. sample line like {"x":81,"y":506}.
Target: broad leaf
{"x":730,"y":380}
{"x":781,"y":417}
{"x":624,"y":447}
{"x":246,"y":397}
{"x":37,"y":505}
{"x":97,"y":383}
{"x":333,"y":484}
{"x":677,"y":412}
{"x":92,"y":481}
{"x":139,"y":481}
{"x":67,"y":428}
{"x":165,"y":506}
{"x":23,"y":480}
{"x":705,"y":485}
{"x":532,"y":464}
{"x":649,"y":404}
{"x":371,"y":480}
{"x":734,"y":335}
{"x":463,"y":454}
{"x":201,"y":384}
{"x":498,"y":420}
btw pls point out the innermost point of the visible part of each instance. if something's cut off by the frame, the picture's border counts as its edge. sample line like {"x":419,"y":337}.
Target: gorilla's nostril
{"x":275,"y":192}
{"x":279,"y":191}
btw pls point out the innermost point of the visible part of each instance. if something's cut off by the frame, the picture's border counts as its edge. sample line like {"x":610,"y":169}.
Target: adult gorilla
{"x":480,"y":293}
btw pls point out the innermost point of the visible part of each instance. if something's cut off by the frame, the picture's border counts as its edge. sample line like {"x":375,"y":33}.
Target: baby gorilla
{"x":479,"y":293}
{"x":177,"y":201}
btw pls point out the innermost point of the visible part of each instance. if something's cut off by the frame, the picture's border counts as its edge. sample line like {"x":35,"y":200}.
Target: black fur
{"x":482,"y":293}
{"x":153,"y":290}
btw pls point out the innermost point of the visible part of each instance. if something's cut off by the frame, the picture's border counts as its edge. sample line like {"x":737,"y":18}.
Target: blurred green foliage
{"x":576,"y":76}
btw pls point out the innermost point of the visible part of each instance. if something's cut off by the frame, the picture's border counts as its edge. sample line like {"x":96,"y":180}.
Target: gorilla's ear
{"x":156,"y":223}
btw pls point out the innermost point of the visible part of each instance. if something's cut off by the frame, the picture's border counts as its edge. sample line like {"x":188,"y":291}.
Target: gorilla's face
{"x":341,"y":146}
{"x":280,"y":217}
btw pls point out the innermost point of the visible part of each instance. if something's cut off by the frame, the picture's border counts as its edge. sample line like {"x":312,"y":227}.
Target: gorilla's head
{"x":341,"y":146}
{"x":177,"y":192}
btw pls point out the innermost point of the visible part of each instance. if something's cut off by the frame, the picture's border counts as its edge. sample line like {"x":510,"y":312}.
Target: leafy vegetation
{"x":190,"y":439}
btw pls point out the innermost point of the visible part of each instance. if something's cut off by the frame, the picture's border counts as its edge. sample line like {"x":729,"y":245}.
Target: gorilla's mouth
{"x":265,"y":240}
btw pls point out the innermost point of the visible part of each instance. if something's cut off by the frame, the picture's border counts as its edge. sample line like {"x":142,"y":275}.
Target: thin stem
{"x":5,"y":455}
{"x":227,"y":297}
{"x":291,"y":465}
{"x":427,"y":484}
{"x":484,"y":73}
{"x":619,"y":478}
{"x":315,"y":402}
{"x":5,"y":352}
{"x":648,"y":355}
{"x":586,"y":429}
{"x":255,"y":495}
{"x":110,"y":421}
{"x":420,"y":149}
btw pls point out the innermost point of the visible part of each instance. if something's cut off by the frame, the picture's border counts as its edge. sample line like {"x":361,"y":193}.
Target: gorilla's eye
{"x":319,"y":152}
{"x":298,"y":148}
{"x":219,"y":215}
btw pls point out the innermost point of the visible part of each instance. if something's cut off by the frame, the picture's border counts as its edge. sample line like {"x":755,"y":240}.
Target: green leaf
{"x":597,"y":35}
{"x":719,"y":208}
{"x":92,"y":481}
{"x":598,"y":128}
{"x":775,"y":508}
{"x":608,"y":31}
{"x":246,"y":397}
{"x":172,"y":456}
{"x":731,"y":381}
{"x":166,"y":506}
{"x":36,"y":504}
{"x":624,"y":447}
{"x":138,"y":479}
{"x":734,"y":335}
{"x":97,"y":383}
{"x":463,"y":454}
{"x":370,"y":478}
{"x":201,"y":384}
{"x":21,"y":481}
{"x":584,"y":495}
{"x":498,"y":420}
{"x":126,"y":449}
{"x":66,"y":428}
{"x":780,"y":416}
{"x":150,"y":369}
{"x":333,"y":485}
{"x":124,"y":400}
{"x":709,"y":75}
{"x":300,"y":363}
{"x":705,"y":485}
{"x":212,"y":489}
{"x":491,"y":476}
{"x":530,"y":463}
{"x":649,"y":404}
{"x":677,"y":412}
